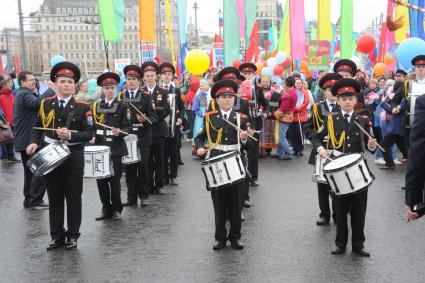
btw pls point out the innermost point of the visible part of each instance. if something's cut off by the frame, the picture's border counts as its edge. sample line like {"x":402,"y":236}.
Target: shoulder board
{"x":212,"y":112}
{"x":81,"y":102}
{"x":333,"y":113}
{"x":51,"y":97}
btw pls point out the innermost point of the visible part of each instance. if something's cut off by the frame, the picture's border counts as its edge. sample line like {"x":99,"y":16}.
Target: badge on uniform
{"x":90,"y":120}
{"x":159,"y":97}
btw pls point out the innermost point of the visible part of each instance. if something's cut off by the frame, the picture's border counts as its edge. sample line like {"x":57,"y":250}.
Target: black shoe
{"x":361,"y":252}
{"x":129,"y":203}
{"x":103,"y":216}
{"x":237,"y":244}
{"x":219,"y":245}
{"x":274,"y":155}
{"x":387,"y":167}
{"x":173,"y":182}
{"x":300,"y":153}
{"x":160,"y":191}
{"x":322,"y":221}
{"x":180,"y":162}
{"x":70,"y":243}
{"x":55,"y":244}
{"x":27,"y":203}
{"x":116,"y":215}
{"x":254,"y":183}
{"x":144,"y":202}
{"x":338,"y":251}
{"x":246,"y":203}
{"x":166,"y":181}
{"x":40,"y":204}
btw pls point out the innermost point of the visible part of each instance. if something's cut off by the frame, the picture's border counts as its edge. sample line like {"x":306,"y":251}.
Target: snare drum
{"x":97,"y":162}
{"x":48,"y":158}
{"x":223,"y":170}
{"x":133,"y":150}
{"x":348,"y":174}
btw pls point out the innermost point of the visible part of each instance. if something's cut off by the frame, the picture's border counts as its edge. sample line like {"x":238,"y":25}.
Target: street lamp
{"x":195,"y":6}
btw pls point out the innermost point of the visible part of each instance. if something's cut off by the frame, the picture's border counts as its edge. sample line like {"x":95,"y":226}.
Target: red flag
{"x":211,"y":57}
{"x":381,"y":48}
{"x":1,"y":67}
{"x":217,"y":38}
{"x":17,"y":64}
{"x":252,"y":51}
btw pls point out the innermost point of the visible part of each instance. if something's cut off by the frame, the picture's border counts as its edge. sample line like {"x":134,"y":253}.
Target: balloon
{"x":236,"y":63}
{"x":259,"y":66}
{"x":388,"y":59}
{"x":271,"y":62}
{"x":93,"y":88}
{"x":56,"y":59}
{"x":278,"y":70}
{"x":157,"y":59}
{"x":277,"y":80}
{"x":197,"y":62}
{"x":267,"y":71}
{"x":379,"y":69}
{"x":408,"y":49}
{"x":366,"y":43}
{"x":357,"y":60}
{"x":280,"y":57}
{"x":308,"y":74}
{"x":273,"y":53}
{"x":287,"y":62}
{"x":304,"y":66}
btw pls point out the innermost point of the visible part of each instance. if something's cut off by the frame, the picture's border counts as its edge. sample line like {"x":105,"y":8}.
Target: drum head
{"x":96,"y":148}
{"x":342,"y":161}
{"x":219,"y":157}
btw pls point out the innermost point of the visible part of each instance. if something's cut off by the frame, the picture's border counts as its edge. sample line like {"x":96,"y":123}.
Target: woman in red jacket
{"x":6,"y":103}
{"x":300,"y":117}
{"x":194,"y":83}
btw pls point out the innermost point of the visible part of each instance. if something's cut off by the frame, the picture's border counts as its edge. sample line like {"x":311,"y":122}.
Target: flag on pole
{"x":147,"y":20}
{"x":220,"y":22}
{"x":240,"y":7}
{"x":250,"y":17}
{"x":111,"y":14}
{"x":182,"y":12}
{"x":170,"y":31}
{"x":401,"y":33}
{"x":231,"y":35}
{"x":252,"y":51}
{"x":324,"y":16}
{"x":297,"y":26}
{"x":284,"y":37}
{"x":346,"y":29}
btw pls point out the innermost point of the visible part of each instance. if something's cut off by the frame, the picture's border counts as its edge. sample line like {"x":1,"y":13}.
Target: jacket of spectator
{"x":6,"y":102}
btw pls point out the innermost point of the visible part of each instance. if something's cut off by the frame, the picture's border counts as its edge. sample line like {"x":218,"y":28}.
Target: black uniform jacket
{"x":114,"y":116}
{"x":162,"y":108}
{"x":75,"y":116}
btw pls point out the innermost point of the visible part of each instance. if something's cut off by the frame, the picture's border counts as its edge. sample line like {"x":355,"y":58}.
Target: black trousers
{"x":171,"y":156}
{"x":253,"y":156}
{"x":137,"y":176}
{"x":110,"y":188}
{"x":190,"y":116}
{"x":34,"y":187}
{"x":65,"y":184}
{"x":323,"y":194}
{"x":156,"y":164}
{"x":355,"y":205}
{"x":295,"y":137}
{"x":387,"y":142}
{"x":227,"y":199}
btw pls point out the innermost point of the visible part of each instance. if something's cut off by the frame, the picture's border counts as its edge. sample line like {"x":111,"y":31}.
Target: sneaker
{"x":14,"y":159}
{"x":397,"y":162}
{"x":380,"y":161}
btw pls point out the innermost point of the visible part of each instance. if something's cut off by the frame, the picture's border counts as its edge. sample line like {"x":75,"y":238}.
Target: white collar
{"x":227,"y":113}
{"x":64,"y":99}
{"x":421,"y":81}
{"x":349,"y":113}
{"x":330,"y":102}
{"x":133,"y":91}
{"x":151,"y":89}
{"x":109,"y":102}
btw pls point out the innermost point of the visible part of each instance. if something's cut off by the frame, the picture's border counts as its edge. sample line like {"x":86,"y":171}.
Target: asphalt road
{"x":171,"y":239}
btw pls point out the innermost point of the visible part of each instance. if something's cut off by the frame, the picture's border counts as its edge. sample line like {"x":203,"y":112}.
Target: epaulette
{"x":51,"y":97}
{"x":211,"y":112}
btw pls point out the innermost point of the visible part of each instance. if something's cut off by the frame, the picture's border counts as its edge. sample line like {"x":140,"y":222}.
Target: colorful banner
{"x":240,"y":8}
{"x":147,"y":20}
{"x":120,"y":64}
{"x":231,"y":35}
{"x":250,"y":17}
{"x":324,"y":16}
{"x":170,"y":31}
{"x":181,"y":17}
{"x":413,"y":19}
{"x":184,"y":50}
{"x":319,"y":54}
{"x":297,"y":26}
{"x":251,"y":54}
{"x":346,"y":29}
{"x":217,"y":54}
{"x":111,"y":14}
{"x":147,"y":51}
{"x":401,"y":33}
{"x":284,"y":37}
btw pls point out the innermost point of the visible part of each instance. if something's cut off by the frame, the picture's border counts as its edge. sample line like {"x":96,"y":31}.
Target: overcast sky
{"x":364,"y":12}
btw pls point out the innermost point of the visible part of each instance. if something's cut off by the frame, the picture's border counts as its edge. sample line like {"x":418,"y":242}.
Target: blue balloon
{"x":408,"y":49}
{"x":267,"y":71}
{"x":277,"y":80}
{"x":280,"y":57}
{"x":56,"y":59}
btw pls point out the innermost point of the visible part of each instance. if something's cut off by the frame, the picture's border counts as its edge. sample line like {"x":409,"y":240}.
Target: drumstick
{"x":108,"y":127}
{"x":327,"y":157}
{"x":369,"y":136}
{"x":50,"y":129}
{"x":239,"y":129}
{"x":140,"y":113}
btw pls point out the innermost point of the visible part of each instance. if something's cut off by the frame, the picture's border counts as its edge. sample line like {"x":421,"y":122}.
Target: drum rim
{"x":225,"y":185}
{"x":345,"y":166}
{"x":220,"y":157}
{"x":104,"y":149}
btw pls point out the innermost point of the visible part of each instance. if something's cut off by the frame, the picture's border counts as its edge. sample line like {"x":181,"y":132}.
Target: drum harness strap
{"x":317,"y":121}
{"x":67,"y":124}
{"x":46,"y":121}
{"x":332,"y":138}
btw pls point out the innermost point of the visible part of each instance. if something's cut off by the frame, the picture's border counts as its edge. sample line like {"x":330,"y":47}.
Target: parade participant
{"x":113,"y":113}
{"x":344,"y":136}
{"x":174,"y":122}
{"x":159,"y":128}
{"x":224,"y":138}
{"x":64,"y":113}
{"x":300,"y":117}
{"x":137,"y":174}
{"x":200,"y":103}
{"x":348,"y":69}
{"x":320,"y":113}
{"x":400,"y":75}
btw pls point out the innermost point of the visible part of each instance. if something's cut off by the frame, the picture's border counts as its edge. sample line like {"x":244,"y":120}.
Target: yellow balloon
{"x":197,"y":62}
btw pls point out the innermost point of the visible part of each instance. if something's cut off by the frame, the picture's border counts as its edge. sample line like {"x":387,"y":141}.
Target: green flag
{"x":230,"y":32}
{"x":346,"y":29}
{"x":250,"y":18}
{"x":111,"y":14}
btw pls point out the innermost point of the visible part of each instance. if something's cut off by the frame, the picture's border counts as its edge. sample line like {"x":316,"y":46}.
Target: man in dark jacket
{"x":26,"y":108}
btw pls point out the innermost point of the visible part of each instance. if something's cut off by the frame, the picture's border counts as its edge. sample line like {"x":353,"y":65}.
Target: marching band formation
{"x":138,"y":132}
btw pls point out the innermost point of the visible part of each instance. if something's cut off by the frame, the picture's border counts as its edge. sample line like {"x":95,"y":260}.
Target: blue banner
{"x":181,"y":16}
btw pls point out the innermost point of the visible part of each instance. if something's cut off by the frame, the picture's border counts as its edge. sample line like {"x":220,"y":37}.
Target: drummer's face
{"x":347,"y":102}
{"x":420,"y":71}
{"x":133,"y":82}
{"x":329,"y":95}
{"x":65,"y":86}
{"x":226,"y":101}
{"x":109,"y":91}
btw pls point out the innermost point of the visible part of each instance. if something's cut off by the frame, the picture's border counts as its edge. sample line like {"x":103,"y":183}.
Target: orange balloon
{"x":388,"y":59}
{"x":259,"y":66}
{"x":379,"y":69}
{"x":308,"y":74}
{"x":273,"y":53}
{"x":304,"y":65}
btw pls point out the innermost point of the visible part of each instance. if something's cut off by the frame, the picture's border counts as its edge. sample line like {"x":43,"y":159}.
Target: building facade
{"x":269,"y":13}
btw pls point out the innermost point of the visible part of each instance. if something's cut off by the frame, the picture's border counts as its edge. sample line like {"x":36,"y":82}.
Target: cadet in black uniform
{"x":175,"y":119}
{"x":343,"y":124}
{"x":348,"y":69}
{"x":159,"y":127}
{"x":321,"y":111}
{"x":65,"y":182}
{"x":225,"y":137}
{"x":137,"y":175}
{"x":113,"y":113}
